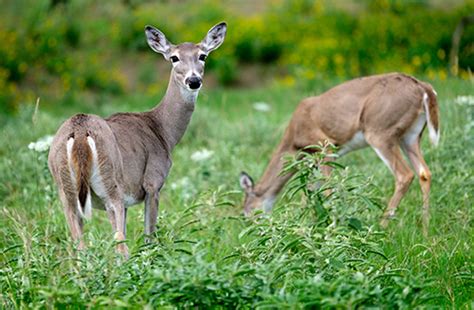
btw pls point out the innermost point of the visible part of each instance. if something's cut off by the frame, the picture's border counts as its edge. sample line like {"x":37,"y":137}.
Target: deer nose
{"x":193,"y":82}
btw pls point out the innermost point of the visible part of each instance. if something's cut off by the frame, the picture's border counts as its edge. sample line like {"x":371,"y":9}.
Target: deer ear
{"x":246,"y":182}
{"x":214,"y":37}
{"x":157,"y":41}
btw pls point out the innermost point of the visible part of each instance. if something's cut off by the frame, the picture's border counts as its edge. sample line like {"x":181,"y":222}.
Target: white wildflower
{"x":359,"y":276}
{"x":42,"y":145}
{"x":406,"y":291}
{"x":201,"y":155}
{"x":261,"y":106}
{"x":465,"y":100}
{"x":184,"y":187}
{"x":181,"y":183}
{"x":318,"y":278}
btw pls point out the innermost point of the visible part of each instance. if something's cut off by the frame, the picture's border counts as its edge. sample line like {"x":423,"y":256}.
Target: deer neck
{"x":272,"y":182}
{"x":174,"y":111}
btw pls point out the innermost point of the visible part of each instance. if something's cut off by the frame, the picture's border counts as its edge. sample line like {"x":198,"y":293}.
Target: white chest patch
{"x":129,"y":200}
{"x":356,"y":142}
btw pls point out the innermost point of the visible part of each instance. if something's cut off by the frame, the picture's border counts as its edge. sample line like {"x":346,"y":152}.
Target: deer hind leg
{"x":68,"y":197}
{"x":110,"y":193}
{"x":392,"y":157}
{"x":116,"y":212}
{"x":413,"y":152}
{"x":73,"y":218}
{"x":105,"y":185}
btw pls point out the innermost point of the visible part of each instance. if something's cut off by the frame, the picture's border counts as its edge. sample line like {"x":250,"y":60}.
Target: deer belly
{"x":356,"y":142}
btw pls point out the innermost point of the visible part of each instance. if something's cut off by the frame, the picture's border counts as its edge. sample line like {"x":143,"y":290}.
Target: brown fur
{"x":384,"y":108}
{"x":81,"y":161}
{"x":128,"y":158}
{"x":433,"y":107}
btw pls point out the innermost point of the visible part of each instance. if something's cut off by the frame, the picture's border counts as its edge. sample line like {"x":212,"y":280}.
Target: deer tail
{"x":430,"y":105}
{"x":80,"y":164}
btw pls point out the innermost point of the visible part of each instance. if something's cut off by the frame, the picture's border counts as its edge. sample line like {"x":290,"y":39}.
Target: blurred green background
{"x":67,"y":50}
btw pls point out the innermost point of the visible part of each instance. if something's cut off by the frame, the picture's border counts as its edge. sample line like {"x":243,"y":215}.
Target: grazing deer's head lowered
{"x":124,"y":159}
{"x":255,"y":199}
{"x":387,"y":112}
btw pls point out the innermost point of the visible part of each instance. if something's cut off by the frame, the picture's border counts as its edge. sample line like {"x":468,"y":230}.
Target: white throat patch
{"x":267,"y":204}
{"x":189,"y":96}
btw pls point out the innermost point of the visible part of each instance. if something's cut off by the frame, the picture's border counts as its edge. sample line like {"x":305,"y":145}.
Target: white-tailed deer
{"x":115,"y":162}
{"x":387,"y":112}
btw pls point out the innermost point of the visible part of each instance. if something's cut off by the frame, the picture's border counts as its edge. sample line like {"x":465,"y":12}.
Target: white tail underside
{"x":96,"y":182}
{"x":434,"y":134}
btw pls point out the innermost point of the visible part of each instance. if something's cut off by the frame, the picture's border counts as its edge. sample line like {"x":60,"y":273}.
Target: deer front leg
{"x":151,"y":214}
{"x":153,"y":180}
{"x":326,"y":170}
{"x":152,"y":185}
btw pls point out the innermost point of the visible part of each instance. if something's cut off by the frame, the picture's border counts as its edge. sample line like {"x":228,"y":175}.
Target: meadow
{"x":330,"y":254}
{"x":312,"y":251}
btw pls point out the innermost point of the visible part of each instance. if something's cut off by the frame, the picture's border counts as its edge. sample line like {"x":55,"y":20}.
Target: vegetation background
{"x":91,"y":56}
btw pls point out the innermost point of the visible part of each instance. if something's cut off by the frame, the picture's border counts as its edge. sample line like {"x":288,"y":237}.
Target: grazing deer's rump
{"x":124,"y":159}
{"x":387,"y":112}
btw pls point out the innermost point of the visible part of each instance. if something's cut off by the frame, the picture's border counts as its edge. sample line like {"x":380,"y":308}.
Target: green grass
{"x":207,"y":254}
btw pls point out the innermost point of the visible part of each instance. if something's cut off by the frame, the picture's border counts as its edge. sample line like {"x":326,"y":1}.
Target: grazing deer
{"x":386,"y":112}
{"x":115,"y":162}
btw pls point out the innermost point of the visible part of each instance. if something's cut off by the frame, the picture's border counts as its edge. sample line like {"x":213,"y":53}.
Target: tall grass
{"x":313,"y":251}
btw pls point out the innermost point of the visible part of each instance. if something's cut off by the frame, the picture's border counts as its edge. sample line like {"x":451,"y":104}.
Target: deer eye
{"x":174,"y":58}
{"x":202,"y":57}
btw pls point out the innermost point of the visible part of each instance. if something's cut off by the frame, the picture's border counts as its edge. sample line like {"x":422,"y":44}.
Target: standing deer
{"x":386,"y":112}
{"x":121,"y":160}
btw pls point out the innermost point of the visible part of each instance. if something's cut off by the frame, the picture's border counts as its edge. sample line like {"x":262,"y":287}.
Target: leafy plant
{"x":341,"y":198}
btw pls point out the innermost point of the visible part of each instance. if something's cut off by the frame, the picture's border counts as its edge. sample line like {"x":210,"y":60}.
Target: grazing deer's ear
{"x":214,"y":37}
{"x":246,"y":182}
{"x":157,"y":41}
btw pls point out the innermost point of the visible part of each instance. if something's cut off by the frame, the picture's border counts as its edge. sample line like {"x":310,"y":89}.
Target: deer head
{"x":187,"y":59}
{"x":254,"y":200}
